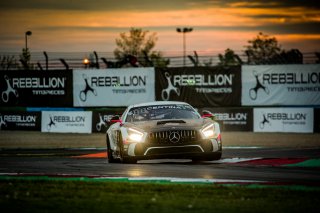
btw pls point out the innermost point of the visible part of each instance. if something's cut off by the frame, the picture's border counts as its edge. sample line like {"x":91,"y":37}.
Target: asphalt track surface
{"x":272,"y":165}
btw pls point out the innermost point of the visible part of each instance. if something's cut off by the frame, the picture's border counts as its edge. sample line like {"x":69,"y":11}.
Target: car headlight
{"x":208,"y":131}
{"x":135,"y":135}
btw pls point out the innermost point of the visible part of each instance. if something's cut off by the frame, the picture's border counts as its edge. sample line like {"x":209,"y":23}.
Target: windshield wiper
{"x":170,"y":121}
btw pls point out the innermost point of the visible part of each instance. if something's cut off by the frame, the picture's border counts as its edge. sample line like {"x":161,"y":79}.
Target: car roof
{"x":157,"y":103}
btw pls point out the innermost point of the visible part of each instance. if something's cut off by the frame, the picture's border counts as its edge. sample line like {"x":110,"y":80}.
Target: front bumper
{"x":209,"y":148}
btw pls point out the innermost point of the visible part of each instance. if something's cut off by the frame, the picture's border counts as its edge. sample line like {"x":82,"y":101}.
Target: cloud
{"x":145,"y":5}
{"x":99,"y":5}
{"x":271,"y":16}
{"x":274,"y":3}
{"x":291,"y":28}
{"x":63,"y":20}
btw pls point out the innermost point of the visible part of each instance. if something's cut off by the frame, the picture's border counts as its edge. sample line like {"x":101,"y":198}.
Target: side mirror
{"x":115,"y":119}
{"x":207,"y":114}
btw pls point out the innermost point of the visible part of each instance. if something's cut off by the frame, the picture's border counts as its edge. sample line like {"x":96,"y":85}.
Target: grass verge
{"x":18,"y":195}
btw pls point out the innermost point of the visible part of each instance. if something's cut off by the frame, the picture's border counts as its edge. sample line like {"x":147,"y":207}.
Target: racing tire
{"x":125,"y":159}
{"x":109,"y":153}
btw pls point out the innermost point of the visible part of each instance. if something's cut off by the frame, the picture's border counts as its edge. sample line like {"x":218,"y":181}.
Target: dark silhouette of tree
{"x":8,"y":62}
{"x":318,"y":57}
{"x":156,"y":59}
{"x":140,"y":44}
{"x":25,"y":59}
{"x":262,"y":48}
{"x":230,"y":58}
{"x":293,"y":56}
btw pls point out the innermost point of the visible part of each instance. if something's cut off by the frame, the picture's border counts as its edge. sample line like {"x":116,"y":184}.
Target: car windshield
{"x":160,"y":112}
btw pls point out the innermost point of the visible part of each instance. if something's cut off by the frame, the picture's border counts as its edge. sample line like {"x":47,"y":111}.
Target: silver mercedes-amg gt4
{"x":163,"y":129}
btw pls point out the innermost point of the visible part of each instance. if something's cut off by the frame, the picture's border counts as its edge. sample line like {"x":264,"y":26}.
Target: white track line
{"x":142,"y":179}
{"x":242,"y":147}
{"x":235,"y":160}
{"x":193,"y":180}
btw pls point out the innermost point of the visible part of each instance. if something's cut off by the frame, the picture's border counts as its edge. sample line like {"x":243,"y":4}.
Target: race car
{"x":163,"y":129}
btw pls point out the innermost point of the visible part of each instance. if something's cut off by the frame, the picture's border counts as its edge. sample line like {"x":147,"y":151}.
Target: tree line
{"x":137,"y":48}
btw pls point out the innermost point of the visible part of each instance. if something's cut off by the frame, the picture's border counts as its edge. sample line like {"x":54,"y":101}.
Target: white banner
{"x":297,"y":120}
{"x":113,"y":87}
{"x":297,"y":84}
{"x":66,"y":121}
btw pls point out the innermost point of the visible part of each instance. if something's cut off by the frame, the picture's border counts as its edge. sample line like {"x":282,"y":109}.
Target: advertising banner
{"x":200,"y":86}
{"x":233,"y":119}
{"x":297,"y":120}
{"x":101,"y":120}
{"x":113,"y":87}
{"x":62,"y":122}
{"x":36,"y":88}
{"x":297,"y":84}
{"x":20,"y":121}
{"x":317,"y":120}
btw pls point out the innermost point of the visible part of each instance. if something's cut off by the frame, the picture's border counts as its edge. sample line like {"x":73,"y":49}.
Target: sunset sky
{"x":83,"y":25}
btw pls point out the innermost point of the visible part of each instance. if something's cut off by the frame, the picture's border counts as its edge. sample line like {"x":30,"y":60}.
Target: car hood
{"x":160,"y":125}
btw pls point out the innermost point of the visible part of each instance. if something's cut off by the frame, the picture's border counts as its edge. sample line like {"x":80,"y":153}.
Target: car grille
{"x":173,"y":137}
{"x":167,"y":150}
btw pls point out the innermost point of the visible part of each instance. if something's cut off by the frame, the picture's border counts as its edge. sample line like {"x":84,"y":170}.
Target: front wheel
{"x":126,"y":159}
{"x":110,"y":153}
{"x":123,"y":158}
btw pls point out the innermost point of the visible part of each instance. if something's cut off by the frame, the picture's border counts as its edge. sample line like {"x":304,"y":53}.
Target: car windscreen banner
{"x":66,"y":121}
{"x":232,"y":119}
{"x":200,"y":86}
{"x":297,"y":120}
{"x":101,"y":120}
{"x":113,"y":87}
{"x":297,"y":84}
{"x":20,"y":121}
{"x":36,"y":88}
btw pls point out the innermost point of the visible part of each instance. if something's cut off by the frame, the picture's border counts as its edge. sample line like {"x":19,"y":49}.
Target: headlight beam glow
{"x":208,"y":131}
{"x":135,"y":135}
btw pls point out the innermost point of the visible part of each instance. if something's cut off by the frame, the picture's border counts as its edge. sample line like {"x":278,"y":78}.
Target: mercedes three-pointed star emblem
{"x":174,"y":137}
